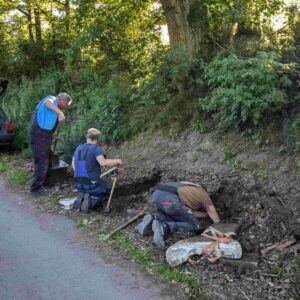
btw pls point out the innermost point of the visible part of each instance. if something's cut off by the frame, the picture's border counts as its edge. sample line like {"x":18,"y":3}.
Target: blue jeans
{"x":178,"y":216}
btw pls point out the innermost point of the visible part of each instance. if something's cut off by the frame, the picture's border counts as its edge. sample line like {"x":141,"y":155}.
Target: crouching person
{"x":87,"y":162}
{"x":181,"y":204}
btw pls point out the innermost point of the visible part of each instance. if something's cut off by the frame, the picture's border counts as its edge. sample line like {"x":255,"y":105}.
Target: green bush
{"x":113,"y":110}
{"x":171,"y":68}
{"x":292,"y":132}
{"x":163,"y":98}
{"x":243,"y":91}
{"x":97,"y":104}
{"x":110,"y":102}
{"x":26,"y":153}
{"x":177,"y":67}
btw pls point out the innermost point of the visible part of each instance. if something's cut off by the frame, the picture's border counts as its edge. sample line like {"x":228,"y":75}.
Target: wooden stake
{"x":279,"y":245}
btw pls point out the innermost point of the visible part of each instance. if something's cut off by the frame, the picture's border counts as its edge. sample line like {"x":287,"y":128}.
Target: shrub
{"x":163,"y":99}
{"x":101,"y":105}
{"x":26,"y":153}
{"x":292,"y":132}
{"x":243,"y":91}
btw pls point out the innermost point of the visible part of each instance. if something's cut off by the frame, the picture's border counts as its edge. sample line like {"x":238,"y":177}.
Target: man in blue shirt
{"x":87,"y":162}
{"x":44,"y":121}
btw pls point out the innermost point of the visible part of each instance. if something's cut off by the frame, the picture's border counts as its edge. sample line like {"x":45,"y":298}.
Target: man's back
{"x":88,"y":153}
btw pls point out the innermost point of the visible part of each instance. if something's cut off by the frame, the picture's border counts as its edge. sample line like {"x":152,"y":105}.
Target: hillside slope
{"x":257,"y":188}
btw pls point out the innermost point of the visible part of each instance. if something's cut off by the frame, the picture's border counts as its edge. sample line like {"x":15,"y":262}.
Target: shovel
{"x":54,"y":159}
{"x":107,"y":209}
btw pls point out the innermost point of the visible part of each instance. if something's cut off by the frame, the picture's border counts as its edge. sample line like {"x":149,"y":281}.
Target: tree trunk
{"x":38,"y":28}
{"x":188,"y":26}
{"x":29,"y":25}
{"x":67,"y":10}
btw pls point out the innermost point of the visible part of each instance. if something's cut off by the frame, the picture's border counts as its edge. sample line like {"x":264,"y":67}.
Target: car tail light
{"x":9,"y":127}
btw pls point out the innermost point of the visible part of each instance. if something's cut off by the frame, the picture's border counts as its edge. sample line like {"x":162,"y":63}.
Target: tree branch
{"x":27,"y":14}
{"x":58,"y":2}
{"x":20,"y":9}
{"x":280,"y":29}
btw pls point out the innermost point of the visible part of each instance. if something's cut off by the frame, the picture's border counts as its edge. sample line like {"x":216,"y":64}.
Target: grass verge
{"x":4,"y":167}
{"x":147,"y":260}
{"x":14,"y":174}
{"x":18,"y":176}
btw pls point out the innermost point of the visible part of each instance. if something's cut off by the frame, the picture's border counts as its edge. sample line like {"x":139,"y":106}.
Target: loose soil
{"x":257,"y":189}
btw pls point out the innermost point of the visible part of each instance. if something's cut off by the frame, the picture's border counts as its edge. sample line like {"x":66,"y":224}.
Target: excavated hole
{"x":132,"y":193}
{"x":262,"y":220}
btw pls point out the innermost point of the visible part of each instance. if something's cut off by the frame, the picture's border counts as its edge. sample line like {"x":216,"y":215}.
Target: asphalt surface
{"x":40,"y":258}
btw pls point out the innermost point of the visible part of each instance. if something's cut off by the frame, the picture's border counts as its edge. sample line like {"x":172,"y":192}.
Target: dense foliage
{"x":244,"y":91}
{"x":230,"y":60}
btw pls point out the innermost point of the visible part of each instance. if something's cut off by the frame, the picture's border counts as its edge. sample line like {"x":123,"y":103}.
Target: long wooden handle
{"x":139,"y":215}
{"x":111,"y":192}
{"x":57,"y":134}
{"x":108,"y":171}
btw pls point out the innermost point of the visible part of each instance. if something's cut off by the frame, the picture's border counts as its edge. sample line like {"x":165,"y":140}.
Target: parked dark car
{"x":6,"y":127}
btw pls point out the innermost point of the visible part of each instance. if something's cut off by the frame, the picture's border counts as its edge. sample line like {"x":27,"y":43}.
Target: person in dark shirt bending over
{"x":181,"y":204}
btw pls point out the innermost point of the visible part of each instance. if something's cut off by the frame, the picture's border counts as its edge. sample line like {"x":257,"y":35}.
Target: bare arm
{"x":73,"y":163}
{"x":213,"y":214}
{"x":200,"y":214}
{"x":105,"y":162}
{"x":190,"y":183}
{"x":50,"y":105}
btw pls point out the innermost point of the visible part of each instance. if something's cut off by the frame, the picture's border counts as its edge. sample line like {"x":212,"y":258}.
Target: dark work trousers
{"x":100,"y":196}
{"x":40,"y":141}
{"x":41,"y":151}
{"x":99,"y":192}
{"x":178,"y":216}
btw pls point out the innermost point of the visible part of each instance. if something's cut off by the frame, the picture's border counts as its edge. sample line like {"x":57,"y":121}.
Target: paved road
{"x":41,"y":259}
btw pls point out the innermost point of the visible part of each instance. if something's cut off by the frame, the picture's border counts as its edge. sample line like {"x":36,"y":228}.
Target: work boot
{"x":78,"y":201}
{"x":85,"y":205}
{"x":161,"y":232}
{"x":144,"y":228}
{"x":40,"y":192}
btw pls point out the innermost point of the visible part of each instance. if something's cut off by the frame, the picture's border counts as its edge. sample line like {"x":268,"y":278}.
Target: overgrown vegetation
{"x":231,"y":65}
{"x":3,"y":167}
{"x":14,"y":173}
{"x":245,"y":91}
